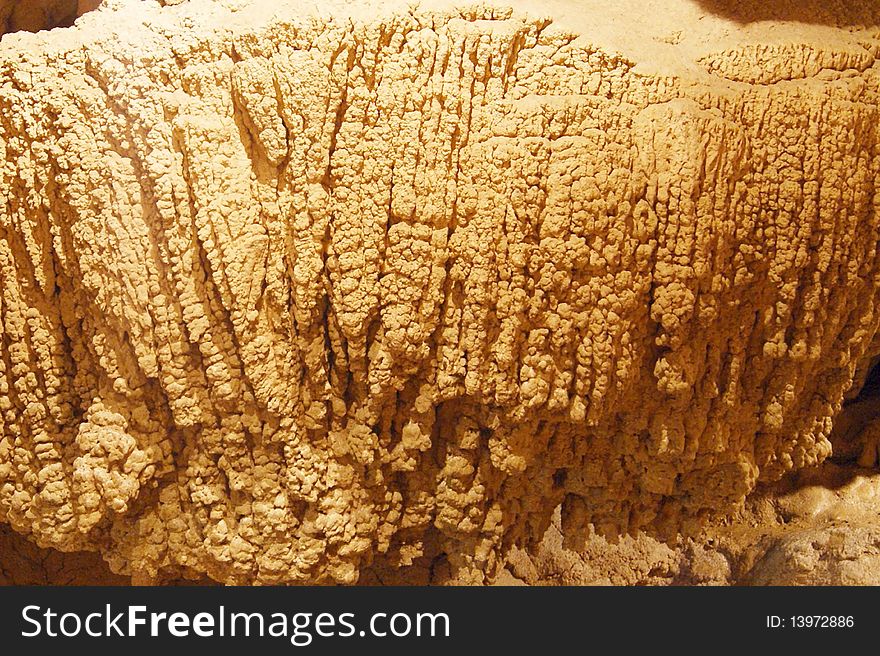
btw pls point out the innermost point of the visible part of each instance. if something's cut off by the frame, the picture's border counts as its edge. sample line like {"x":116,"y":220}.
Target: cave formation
{"x":357,"y":293}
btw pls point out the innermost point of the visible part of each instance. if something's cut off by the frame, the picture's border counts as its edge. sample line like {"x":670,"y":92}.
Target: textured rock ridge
{"x":294,"y":295}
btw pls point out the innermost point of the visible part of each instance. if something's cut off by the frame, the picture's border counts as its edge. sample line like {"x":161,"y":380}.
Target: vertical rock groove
{"x":287,"y":296}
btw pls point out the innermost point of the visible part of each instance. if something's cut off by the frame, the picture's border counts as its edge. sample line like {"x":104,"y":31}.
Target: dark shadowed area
{"x":24,"y":563}
{"x":36,"y":15}
{"x":838,"y":13}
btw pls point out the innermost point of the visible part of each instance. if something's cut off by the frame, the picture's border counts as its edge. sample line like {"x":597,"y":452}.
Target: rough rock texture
{"x":23,"y":563}
{"x":307,"y":294}
{"x":819,"y":527}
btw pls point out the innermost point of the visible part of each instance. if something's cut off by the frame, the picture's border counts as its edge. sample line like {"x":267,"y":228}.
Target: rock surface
{"x":818,"y":527}
{"x":298,"y":294}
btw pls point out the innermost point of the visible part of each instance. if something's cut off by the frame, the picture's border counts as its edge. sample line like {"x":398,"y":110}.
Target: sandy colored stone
{"x":300,"y":293}
{"x":819,"y":526}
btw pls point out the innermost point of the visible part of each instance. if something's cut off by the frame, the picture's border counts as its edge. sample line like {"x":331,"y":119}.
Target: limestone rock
{"x":298,"y":294}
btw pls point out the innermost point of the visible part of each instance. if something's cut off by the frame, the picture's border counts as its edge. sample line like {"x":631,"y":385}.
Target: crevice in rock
{"x":856,"y":432}
{"x":37,"y":15}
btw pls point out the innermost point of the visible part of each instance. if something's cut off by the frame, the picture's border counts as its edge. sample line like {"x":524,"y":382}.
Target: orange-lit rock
{"x":292,"y":294}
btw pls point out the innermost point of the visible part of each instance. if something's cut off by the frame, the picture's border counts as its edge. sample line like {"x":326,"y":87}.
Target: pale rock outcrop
{"x":298,"y":293}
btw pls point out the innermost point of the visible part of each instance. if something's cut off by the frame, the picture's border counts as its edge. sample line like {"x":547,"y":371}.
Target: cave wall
{"x":290,"y":297}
